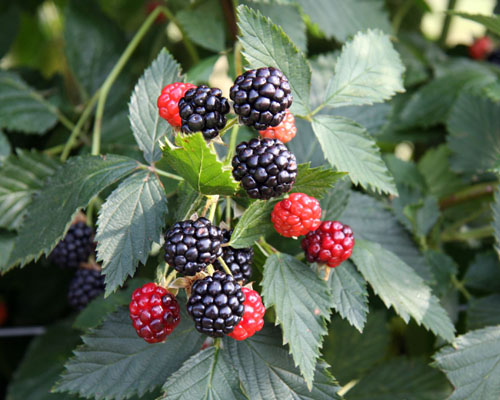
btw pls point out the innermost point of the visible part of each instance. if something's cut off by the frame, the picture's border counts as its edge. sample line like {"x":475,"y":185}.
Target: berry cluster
{"x":86,"y":285}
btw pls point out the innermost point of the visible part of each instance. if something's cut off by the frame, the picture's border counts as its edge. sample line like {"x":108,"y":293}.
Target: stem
{"x":228,"y":126}
{"x":229,"y":15}
{"x":64,"y":120}
{"x":461,"y":222}
{"x":269,"y":249}
{"x":161,"y":172}
{"x":170,"y":278}
{"x":76,"y":130}
{"x":262,"y":249}
{"x":447,"y":22}
{"x":459,"y":285}
{"x":214,"y":200}
{"x":232,"y":142}
{"x":237,"y":58}
{"x":224,"y":265}
{"x":328,"y":270}
{"x":477,"y":233}
{"x":469,"y":193}
{"x":54,"y":150}
{"x":210,"y":269}
{"x":400,"y":15}
{"x":228,"y":211}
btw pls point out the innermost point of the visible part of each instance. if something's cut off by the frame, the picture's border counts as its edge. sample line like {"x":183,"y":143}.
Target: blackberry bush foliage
{"x":250,"y":209}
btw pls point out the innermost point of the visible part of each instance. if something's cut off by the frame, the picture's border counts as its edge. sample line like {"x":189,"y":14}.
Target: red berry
{"x":296,"y":215}
{"x":330,"y":244}
{"x":154,"y":312}
{"x":481,"y":47}
{"x":284,"y":132}
{"x":151,"y":6}
{"x":3,"y":312}
{"x":168,"y":102}
{"x":253,"y":318}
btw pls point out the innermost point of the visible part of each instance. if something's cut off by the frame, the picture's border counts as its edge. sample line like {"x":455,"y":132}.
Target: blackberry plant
{"x":283,"y":199}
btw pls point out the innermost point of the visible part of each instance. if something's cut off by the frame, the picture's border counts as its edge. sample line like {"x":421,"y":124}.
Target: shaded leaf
{"x":254,"y":223}
{"x":483,"y":312}
{"x":315,"y":182}
{"x":493,"y":91}
{"x":491,"y":22}
{"x":5,"y":148}
{"x":335,"y":201}
{"x":484,"y":273}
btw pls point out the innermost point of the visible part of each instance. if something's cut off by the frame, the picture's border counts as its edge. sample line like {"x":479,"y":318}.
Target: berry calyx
{"x":75,"y":248}
{"x":481,"y":48}
{"x":297,"y":215}
{"x":168,"y":101}
{"x":239,"y":261}
{"x":253,"y":318}
{"x":261,"y":97}
{"x":85,"y":286}
{"x":191,"y":245}
{"x":154,"y":312}
{"x":330,"y":244}
{"x":284,"y":132}
{"x":265,"y":167}
{"x":216,"y":304}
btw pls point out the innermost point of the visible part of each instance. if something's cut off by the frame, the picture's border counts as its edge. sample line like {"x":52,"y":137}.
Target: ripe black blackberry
{"x":86,"y":285}
{"x":75,"y":248}
{"x":216,"y":304}
{"x":261,"y":97}
{"x":494,"y":57}
{"x":203,"y":109}
{"x":191,"y":245}
{"x":239,"y":261}
{"x":265,"y":167}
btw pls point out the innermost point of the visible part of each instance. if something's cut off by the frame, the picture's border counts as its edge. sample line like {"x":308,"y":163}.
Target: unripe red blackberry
{"x":261,"y":97}
{"x":239,"y":261}
{"x":75,"y":248}
{"x":330,"y":244}
{"x":265,"y":167}
{"x":154,"y":312}
{"x":296,"y":215}
{"x":253,"y":318}
{"x":168,"y":101}
{"x":216,"y":304}
{"x":191,"y":245}
{"x":284,"y":132}
{"x":85,"y":286}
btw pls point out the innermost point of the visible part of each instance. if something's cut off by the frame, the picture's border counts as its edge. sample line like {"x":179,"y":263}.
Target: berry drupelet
{"x":191,"y":245}
{"x":296,"y":215}
{"x":253,"y":318}
{"x":239,"y":261}
{"x":265,"y":167}
{"x":216,"y":304}
{"x":261,"y":97}
{"x":168,"y":102}
{"x":203,"y":109}
{"x":85,"y":286}
{"x":75,"y":248}
{"x":154,"y":312}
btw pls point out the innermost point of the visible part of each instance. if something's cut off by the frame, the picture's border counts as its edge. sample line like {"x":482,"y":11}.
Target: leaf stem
{"x":224,"y":265}
{"x":232,"y":142}
{"x":459,"y":285}
{"x":162,"y":173}
{"x":400,"y":15}
{"x":447,"y":22}
{"x":54,"y":150}
{"x":213,"y":206}
{"x":237,"y":58}
{"x":469,"y":193}
{"x":477,"y":233}
{"x":210,"y":269}
{"x":228,"y":126}
{"x":228,"y":211}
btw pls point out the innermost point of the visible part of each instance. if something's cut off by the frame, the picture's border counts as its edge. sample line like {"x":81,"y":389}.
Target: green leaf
{"x":147,"y":125}
{"x":431,"y":103}
{"x":22,"y":108}
{"x":7,"y":240}
{"x":493,"y":91}
{"x":315,"y":182}
{"x":9,"y":24}
{"x":491,"y":22}
{"x":400,"y":287}
{"x":93,"y":44}
{"x":341,"y":19}
{"x":115,"y":363}
{"x":21,"y":176}
{"x":266,"y":45}
{"x":372,"y":117}
{"x":423,"y":215}
{"x":254,"y":223}
{"x":483,"y":312}
{"x":302,"y":302}
{"x":198,"y":165}
{"x":371,"y":346}
{"x":401,"y":379}
{"x":348,"y":147}
{"x":205,"y":376}
{"x":474,"y":138}
{"x":43,"y":363}
{"x":472,"y":364}
{"x":267,"y":372}
{"x":405,"y":173}
{"x":495,"y":208}
{"x":5,"y":148}
{"x":368,"y":71}
{"x":205,"y":24}
{"x":349,"y":294}
{"x":130,"y":220}
{"x":484,"y":273}
{"x":71,"y":187}
{"x":335,"y":202}
{"x":189,"y":201}
{"x":306,"y":146}
{"x":443,"y":269}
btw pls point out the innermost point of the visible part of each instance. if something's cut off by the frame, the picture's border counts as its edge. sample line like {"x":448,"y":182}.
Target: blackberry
{"x":239,"y":261}
{"x":75,"y":248}
{"x":216,"y":304}
{"x":191,"y":245}
{"x":261,"y":97}
{"x":86,"y":285}
{"x":494,"y":57}
{"x":203,"y":109}
{"x":265,"y":168}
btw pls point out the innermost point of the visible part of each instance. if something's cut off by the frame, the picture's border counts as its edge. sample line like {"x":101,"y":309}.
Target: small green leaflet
{"x":302,"y":302}
{"x":22,"y":108}
{"x":472,"y":364}
{"x":114,"y":350}
{"x":147,"y":125}
{"x":205,"y":376}
{"x":71,"y":187}
{"x":21,"y":176}
{"x":399,"y":286}
{"x":492,"y":22}
{"x":348,"y":147}
{"x":267,"y":372}
{"x":195,"y":161}
{"x":368,"y":71}
{"x":129,"y":222}
{"x":315,"y":182}
{"x":254,"y":223}
{"x":266,"y":45}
